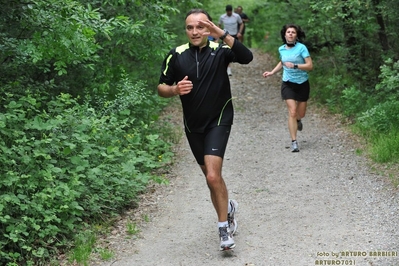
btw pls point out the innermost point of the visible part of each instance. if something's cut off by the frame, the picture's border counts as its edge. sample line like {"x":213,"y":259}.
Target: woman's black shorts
{"x":212,"y":142}
{"x":298,"y":92}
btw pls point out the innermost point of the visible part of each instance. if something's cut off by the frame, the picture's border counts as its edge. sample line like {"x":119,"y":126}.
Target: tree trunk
{"x":382,"y":36}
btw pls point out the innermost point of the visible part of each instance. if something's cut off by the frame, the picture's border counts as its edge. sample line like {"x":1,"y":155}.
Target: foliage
{"x":326,"y":92}
{"x":45,"y":43}
{"x":382,"y":118}
{"x":385,"y":149}
{"x":388,"y":88}
{"x":66,"y":165}
{"x":82,"y":46}
{"x":141,"y":41}
{"x":84,"y":245}
{"x":352,"y":101}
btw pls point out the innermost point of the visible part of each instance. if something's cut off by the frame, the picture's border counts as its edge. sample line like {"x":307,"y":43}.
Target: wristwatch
{"x":224,"y":35}
{"x":295,"y":66}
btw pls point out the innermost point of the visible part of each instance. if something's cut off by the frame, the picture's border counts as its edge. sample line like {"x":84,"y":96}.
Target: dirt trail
{"x":321,"y":205}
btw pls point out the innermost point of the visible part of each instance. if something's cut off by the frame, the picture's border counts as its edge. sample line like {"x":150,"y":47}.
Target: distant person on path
{"x":209,"y":36}
{"x":232,"y":23}
{"x":296,"y":62}
{"x":245,"y":19}
{"x":196,"y":71}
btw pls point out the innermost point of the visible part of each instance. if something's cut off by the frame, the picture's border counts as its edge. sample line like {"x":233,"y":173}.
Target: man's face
{"x":229,"y":13}
{"x":195,"y":32}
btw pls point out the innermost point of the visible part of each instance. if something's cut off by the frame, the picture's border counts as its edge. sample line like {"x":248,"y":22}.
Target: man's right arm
{"x":181,"y":88}
{"x":164,"y":89}
{"x":167,"y":91}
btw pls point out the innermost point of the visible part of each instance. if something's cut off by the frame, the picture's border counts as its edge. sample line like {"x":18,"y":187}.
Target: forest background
{"x":79,"y":109}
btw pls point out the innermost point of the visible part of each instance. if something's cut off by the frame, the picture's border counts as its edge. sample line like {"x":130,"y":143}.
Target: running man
{"x":196,"y":71}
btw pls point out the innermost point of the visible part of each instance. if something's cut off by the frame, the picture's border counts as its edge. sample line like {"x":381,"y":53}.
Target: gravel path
{"x":321,"y":206}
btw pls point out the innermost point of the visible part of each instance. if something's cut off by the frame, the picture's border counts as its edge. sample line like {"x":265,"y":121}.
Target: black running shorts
{"x":298,"y":92}
{"x":212,"y":142}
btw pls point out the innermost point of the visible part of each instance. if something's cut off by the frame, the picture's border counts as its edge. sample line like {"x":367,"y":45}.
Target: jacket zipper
{"x":196,"y":59}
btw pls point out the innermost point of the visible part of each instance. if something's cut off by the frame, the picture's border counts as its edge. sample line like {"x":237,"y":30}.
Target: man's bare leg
{"x":218,"y":190}
{"x":219,"y":196}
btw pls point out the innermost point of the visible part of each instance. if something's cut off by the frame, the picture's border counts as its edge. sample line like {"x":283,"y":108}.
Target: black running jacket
{"x":209,"y":103}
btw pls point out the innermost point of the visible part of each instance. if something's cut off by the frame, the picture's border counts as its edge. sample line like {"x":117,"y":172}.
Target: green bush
{"x":382,"y":118}
{"x":388,"y":87}
{"x":328,"y":91}
{"x":385,"y":147}
{"x":66,"y":164}
{"x":353,"y":101}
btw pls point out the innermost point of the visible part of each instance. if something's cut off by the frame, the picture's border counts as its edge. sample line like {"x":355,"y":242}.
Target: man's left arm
{"x":241,"y":28}
{"x":245,"y":18}
{"x":242,"y":54}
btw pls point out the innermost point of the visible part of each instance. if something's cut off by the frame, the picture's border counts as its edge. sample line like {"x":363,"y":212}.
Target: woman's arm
{"x":274,"y":71}
{"x":308,"y":66}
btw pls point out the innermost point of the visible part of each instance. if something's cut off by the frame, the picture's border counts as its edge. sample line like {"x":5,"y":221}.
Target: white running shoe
{"x":229,"y":71}
{"x":231,"y":216}
{"x":226,"y":239}
{"x":294,"y":146}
